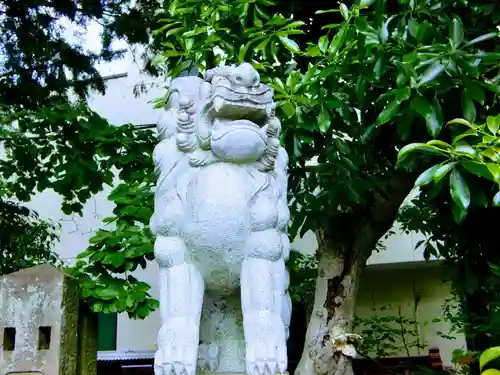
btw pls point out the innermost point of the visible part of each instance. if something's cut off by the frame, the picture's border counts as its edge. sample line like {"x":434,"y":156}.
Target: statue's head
{"x":229,"y":112}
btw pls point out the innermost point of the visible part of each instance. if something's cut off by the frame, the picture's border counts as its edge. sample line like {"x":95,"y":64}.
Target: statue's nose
{"x":246,"y":75}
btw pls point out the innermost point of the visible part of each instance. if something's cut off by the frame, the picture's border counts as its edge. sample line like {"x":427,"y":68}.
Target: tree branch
{"x":384,"y":210}
{"x":382,"y":214}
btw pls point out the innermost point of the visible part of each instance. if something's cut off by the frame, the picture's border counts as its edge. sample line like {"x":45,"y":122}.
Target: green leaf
{"x":379,"y":67}
{"x":288,"y":108}
{"x":324,"y":120}
{"x":243,"y":52}
{"x":413,"y":27}
{"x":431,"y":73}
{"x":413,"y":147}
{"x":402,"y":93}
{"x":435,"y":120}
{"x":107,"y":293}
{"x":432,"y":114}
{"x":475,"y":91}
{"x":456,"y":32}
{"x":323,"y":11}
{"x":426,"y":176}
{"x":477,"y":169}
{"x":116,"y":259}
{"x":421,"y":106}
{"x":465,"y":149}
{"x":488,"y":356}
{"x":323,"y":43}
{"x":388,"y":112}
{"x":290,"y":44}
{"x":494,"y":169}
{"x":460,"y":121}
{"x":481,"y":38}
{"x":100,"y":236}
{"x":262,"y":45}
{"x":493,"y":123}
{"x":496,"y":199}
{"x":365,"y":3}
{"x":339,"y":39}
{"x":293,"y":25}
{"x":96,"y":306}
{"x":344,"y":11}
{"x":459,"y":190}
{"x":440,"y":144}
{"x":443,"y":171}
{"x":468,"y":107}
{"x":459,"y":213}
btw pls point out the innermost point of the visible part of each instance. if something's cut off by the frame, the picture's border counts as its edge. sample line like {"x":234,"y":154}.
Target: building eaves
{"x":129,"y":355}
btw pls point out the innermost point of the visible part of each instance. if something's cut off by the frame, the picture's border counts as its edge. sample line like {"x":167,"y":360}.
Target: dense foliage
{"x":25,"y":239}
{"x":457,"y":211}
{"x":50,"y":141}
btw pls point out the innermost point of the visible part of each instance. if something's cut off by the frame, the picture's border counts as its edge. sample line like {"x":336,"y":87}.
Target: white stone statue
{"x":220,"y":222}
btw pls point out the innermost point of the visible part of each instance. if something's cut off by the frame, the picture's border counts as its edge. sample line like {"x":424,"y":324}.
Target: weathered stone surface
{"x":220,"y":222}
{"x":40,"y":324}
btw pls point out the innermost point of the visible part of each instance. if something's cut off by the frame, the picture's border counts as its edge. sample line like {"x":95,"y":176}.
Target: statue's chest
{"x":218,"y":204}
{"x":219,"y":186}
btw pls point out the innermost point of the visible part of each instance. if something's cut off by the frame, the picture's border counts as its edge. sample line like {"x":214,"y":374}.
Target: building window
{"x":106,"y":331}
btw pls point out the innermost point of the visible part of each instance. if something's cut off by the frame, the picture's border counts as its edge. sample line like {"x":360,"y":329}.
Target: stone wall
{"x":43,"y":326}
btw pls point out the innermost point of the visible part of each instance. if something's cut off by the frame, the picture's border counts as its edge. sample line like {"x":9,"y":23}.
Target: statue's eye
{"x":239,"y":78}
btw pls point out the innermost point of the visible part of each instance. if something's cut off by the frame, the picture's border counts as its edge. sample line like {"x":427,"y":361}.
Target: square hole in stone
{"x":9,"y":338}
{"x":44,"y":333}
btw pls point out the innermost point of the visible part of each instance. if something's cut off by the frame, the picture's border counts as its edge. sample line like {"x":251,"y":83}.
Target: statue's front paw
{"x":174,"y":361}
{"x":178,"y":349}
{"x":170,"y":361}
{"x":265,"y":345}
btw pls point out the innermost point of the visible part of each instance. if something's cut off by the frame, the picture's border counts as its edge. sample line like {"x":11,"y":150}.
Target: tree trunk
{"x":329,"y":331}
{"x":330,"y":343}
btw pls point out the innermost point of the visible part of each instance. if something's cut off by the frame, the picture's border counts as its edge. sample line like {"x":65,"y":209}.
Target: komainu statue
{"x":220,"y":223}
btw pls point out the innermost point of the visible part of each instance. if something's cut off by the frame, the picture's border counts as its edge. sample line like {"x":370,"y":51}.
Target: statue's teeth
{"x":218,"y":103}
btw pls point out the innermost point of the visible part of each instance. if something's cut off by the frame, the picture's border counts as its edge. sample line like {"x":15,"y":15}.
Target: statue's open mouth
{"x":253,"y":104}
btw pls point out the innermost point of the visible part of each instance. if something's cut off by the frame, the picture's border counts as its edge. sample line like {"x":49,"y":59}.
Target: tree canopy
{"x":50,"y":141}
{"x":457,"y":210}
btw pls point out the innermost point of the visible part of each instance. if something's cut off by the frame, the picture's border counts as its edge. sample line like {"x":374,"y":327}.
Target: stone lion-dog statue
{"x":220,"y":226}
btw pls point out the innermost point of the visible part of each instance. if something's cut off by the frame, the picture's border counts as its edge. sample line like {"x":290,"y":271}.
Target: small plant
{"x":303,"y":270}
{"x":388,"y":335}
{"x":462,"y":360}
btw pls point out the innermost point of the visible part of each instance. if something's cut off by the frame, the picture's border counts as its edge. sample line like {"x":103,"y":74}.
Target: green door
{"x":106,"y":331}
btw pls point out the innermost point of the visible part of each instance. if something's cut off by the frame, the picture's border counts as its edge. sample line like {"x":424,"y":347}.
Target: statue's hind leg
{"x":181,"y":298}
{"x":262,"y":295}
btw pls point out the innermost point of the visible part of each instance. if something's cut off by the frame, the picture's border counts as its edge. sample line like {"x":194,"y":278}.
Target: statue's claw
{"x":200,"y":158}
{"x":177,"y":366}
{"x":266,"y":347}
{"x":176,"y":355}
